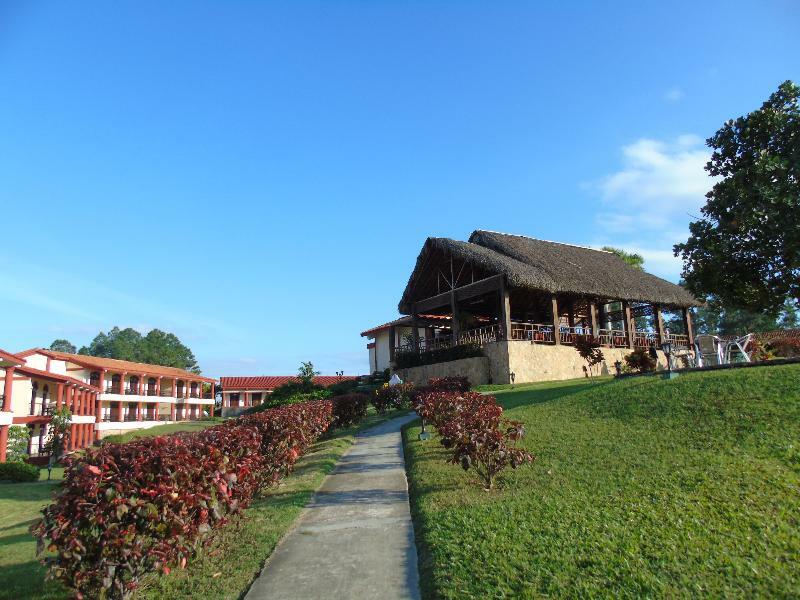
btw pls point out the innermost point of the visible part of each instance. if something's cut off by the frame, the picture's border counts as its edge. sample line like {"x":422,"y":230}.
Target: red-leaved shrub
{"x":392,"y":397}
{"x":450,"y":384}
{"x":147,"y":505}
{"x":472,"y":427}
{"x":349,"y":409}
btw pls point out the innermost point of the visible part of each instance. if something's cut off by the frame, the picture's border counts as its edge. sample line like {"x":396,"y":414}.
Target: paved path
{"x":355,"y":539}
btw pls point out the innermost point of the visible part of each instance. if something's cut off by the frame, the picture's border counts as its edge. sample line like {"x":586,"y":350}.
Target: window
{"x":234,"y":400}
{"x":256,"y":398}
{"x":94,"y":379}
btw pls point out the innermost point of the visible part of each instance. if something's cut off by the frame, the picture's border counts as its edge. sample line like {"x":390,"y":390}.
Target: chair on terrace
{"x":738,"y":345}
{"x":709,"y":350}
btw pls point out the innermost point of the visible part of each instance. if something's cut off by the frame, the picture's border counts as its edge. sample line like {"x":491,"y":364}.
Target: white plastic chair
{"x":710,"y":350}
{"x":739,"y":344}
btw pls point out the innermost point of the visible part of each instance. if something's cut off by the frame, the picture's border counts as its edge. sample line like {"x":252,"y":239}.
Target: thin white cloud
{"x":648,"y":203}
{"x":674,"y":94}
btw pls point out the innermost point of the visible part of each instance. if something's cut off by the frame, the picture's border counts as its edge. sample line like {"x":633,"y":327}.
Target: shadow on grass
{"x":511,"y":399}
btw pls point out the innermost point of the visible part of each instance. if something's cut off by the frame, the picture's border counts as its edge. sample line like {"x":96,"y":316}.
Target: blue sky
{"x":258,"y":178}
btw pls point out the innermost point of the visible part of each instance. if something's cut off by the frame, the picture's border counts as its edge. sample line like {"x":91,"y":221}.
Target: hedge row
{"x":18,"y":472}
{"x":472,"y":427}
{"x":148,"y":505}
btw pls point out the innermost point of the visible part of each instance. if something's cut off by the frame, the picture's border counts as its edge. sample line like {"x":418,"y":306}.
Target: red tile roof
{"x":114,"y":364}
{"x":11,"y":358}
{"x":403,"y":321}
{"x":31,"y":372}
{"x":269,"y":382}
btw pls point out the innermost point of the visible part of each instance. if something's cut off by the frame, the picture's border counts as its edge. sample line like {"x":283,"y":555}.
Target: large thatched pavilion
{"x":525,"y":301}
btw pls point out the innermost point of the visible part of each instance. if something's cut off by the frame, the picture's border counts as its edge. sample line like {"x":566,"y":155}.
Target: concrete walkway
{"x":355,"y":539}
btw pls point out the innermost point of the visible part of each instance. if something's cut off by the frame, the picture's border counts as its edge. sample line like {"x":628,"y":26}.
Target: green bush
{"x":17,"y":449}
{"x":404,"y":360}
{"x":316,"y":393}
{"x":640,"y":360}
{"x":346,"y":386}
{"x":18,"y":472}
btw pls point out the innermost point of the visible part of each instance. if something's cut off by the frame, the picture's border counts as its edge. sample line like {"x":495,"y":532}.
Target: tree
{"x":17,"y":448}
{"x":745,"y":250}
{"x":156,"y":348}
{"x":306,"y":373}
{"x":632,"y":258}
{"x":637,"y":262}
{"x":61,"y":345}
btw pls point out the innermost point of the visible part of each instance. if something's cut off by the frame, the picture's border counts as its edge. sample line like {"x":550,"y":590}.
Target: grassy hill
{"x":641,"y":487}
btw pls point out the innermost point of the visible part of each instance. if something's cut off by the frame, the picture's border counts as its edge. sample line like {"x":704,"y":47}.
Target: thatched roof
{"x":550,"y":267}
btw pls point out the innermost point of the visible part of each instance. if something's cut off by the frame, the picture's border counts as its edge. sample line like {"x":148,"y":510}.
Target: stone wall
{"x":475,"y":369}
{"x":529,"y":363}
{"x":542,"y":362}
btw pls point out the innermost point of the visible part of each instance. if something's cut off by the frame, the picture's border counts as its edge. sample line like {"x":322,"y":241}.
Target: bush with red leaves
{"x":450,"y":384}
{"x":349,"y":409}
{"x":392,"y":397}
{"x":147,"y":505}
{"x":472,"y":427}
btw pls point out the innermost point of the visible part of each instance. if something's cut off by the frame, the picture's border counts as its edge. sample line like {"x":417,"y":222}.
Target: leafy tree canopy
{"x":745,"y":250}
{"x":632,"y":258}
{"x":306,"y":372}
{"x":156,"y":348}
{"x":61,"y":345}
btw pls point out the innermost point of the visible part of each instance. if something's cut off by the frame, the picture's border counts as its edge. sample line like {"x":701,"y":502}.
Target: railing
{"x":480,"y":335}
{"x":131,"y":392}
{"x":678,"y":339}
{"x":151,"y":392}
{"x":114,"y":389}
{"x":532,"y":332}
{"x":568,"y":334}
{"x":643,"y":339}
{"x":613,"y":338}
{"x":165,"y":394}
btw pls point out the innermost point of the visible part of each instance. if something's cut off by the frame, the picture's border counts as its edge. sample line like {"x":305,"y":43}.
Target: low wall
{"x":542,"y":362}
{"x":529,"y":363}
{"x":475,"y":369}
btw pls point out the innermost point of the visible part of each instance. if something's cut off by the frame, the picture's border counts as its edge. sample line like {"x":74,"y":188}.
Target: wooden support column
{"x":593,"y":318}
{"x":454,"y":310}
{"x":627,"y":322}
{"x":415,"y":328}
{"x":571,"y":313}
{"x":59,"y":395}
{"x":138,"y":411}
{"x":687,"y":323}
{"x":556,"y":320}
{"x":658,"y":317}
{"x":172,"y":411}
{"x":505,"y":311}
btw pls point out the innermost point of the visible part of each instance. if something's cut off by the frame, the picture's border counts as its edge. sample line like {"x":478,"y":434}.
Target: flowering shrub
{"x":147,"y":505}
{"x":471,"y":425}
{"x":349,"y":409}
{"x":392,"y":397}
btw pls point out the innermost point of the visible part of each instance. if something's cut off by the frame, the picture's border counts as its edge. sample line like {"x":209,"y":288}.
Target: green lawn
{"x":163,"y":430}
{"x":223,"y":570}
{"x":641,"y":487}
